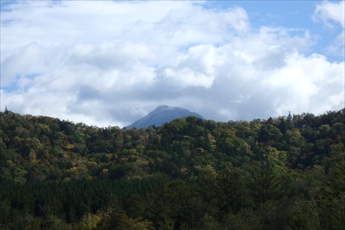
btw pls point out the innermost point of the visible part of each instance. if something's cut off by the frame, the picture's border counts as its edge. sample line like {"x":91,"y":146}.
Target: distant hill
{"x":162,"y":114}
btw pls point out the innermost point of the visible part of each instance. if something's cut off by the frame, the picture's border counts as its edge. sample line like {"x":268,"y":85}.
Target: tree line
{"x":278,"y":173}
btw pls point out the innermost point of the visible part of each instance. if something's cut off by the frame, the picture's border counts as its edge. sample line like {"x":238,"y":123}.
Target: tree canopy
{"x":279,"y":173}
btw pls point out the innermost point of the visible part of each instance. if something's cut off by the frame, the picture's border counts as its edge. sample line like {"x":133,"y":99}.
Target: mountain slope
{"x":162,"y":114}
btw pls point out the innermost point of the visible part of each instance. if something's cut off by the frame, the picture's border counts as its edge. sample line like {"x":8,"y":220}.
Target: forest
{"x":283,"y":173}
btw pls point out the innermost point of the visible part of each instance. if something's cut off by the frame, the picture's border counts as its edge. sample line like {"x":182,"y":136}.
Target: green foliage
{"x":279,"y":173}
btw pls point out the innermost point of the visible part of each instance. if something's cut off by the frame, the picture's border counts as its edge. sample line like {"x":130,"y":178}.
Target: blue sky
{"x":110,"y":63}
{"x":296,"y":15}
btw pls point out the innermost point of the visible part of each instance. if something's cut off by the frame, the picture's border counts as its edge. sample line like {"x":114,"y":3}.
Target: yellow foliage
{"x":206,"y":170}
{"x":32,"y":156}
{"x":183,"y":170}
{"x":90,"y":221}
{"x":200,"y":150}
{"x":69,"y":146}
{"x":133,"y":224}
{"x":45,"y":128}
{"x":36,"y":144}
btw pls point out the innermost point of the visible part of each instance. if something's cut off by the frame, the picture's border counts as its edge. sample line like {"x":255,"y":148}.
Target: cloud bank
{"x":110,"y":63}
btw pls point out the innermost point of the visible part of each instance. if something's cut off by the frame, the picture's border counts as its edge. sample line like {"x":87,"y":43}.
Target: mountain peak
{"x":162,"y":107}
{"x":162,"y":114}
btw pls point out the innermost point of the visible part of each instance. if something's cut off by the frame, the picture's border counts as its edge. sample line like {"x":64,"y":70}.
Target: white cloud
{"x":337,"y":47}
{"x":109,"y":63}
{"x":332,"y":14}
{"x":330,"y":11}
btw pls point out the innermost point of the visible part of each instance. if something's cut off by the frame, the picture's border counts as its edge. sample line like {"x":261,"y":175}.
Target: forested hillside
{"x":279,"y":173}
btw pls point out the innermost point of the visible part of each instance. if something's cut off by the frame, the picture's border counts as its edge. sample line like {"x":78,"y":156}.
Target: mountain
{"x":162,"y":114}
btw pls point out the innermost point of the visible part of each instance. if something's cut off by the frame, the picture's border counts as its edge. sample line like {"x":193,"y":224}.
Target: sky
{"x":109,"y":63}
